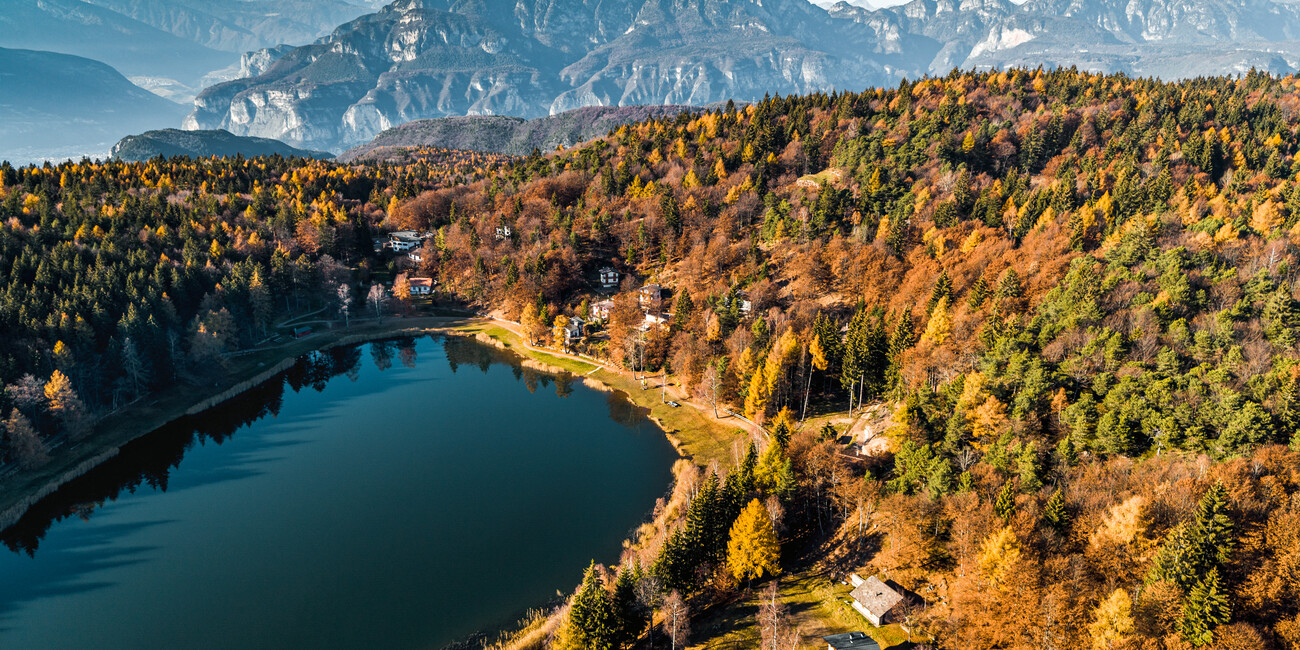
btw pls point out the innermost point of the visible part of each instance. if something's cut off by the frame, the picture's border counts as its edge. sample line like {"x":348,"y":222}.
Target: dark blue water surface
{"x":402,"y":494}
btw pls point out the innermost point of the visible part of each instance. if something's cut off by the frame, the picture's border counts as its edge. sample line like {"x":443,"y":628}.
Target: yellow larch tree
{"x":753,"y":550}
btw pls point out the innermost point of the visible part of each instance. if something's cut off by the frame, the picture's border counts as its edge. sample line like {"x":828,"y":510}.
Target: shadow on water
{"x":148,"y":462}
{"x":84,"y":551}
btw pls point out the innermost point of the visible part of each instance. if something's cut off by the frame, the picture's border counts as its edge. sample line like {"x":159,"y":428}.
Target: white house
{"x":404,"y":240}
{"x":601,"y":309}
{"x":415,"y":256}
{"x":653,"y":320}
{"x":574,"y":330}
{"x":850,"y":641}
{"x":504,"y":232}
{"x":421,"y":286}
{"x":608,"y":277}
{"x":649,"y":295}
{"x":874,"y":599}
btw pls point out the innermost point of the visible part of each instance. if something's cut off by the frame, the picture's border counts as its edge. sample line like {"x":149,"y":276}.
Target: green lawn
{"x":815,"y":605}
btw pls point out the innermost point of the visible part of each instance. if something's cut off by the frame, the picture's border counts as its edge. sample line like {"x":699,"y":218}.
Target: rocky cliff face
{"x":1165,"y":38}
{"x":417,"y":59}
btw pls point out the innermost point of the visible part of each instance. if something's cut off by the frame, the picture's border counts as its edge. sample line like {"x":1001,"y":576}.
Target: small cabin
{"x":609,"y":277}
{"x":415,"y":256}
{"x":850,"y":641}
{"x":421,"y":286}
{"x":504,"y":232}
{"x":874,"y":599}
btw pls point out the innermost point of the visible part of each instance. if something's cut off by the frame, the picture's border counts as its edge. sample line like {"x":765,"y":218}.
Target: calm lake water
{"x":402,"y":494}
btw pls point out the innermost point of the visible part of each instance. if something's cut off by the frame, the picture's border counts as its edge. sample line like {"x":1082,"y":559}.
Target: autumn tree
{"x":67,"y":406}
{"x":22,"y":443}
{"x":753,"y":551}
{"x":677,"y":620}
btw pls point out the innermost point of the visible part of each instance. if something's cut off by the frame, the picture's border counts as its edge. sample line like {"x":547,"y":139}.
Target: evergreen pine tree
{"x":1056,"y":514}
{"x":899,"y":342}
{"x":591,"y":622}
{"x":631,"y":617}
{"x":682,"y":311}
{"x":979,"y":292}
{"x":1009,"y":285}
{"x":1005,"y":506}
{"x":1214,"y":526}
{"x":1028,"y":465}
{"x":942,"y":289}
{"x":1205,"y":609}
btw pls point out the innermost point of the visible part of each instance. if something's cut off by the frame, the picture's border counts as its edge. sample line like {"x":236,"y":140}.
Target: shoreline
{"x":23,"y":489}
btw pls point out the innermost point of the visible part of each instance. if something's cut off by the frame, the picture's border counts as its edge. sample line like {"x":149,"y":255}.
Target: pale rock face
{"x":1002,"y":39}
{"x":417,"y":59}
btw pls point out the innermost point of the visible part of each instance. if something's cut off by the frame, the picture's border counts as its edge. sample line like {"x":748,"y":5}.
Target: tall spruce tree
{"x":1205,"y":609}
{"x":591,"y":624}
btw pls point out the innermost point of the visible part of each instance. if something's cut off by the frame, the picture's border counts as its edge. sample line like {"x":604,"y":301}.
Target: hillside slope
{"x":201,"y":144}
{"x":61,"y":106}
{"x":512,"y":136}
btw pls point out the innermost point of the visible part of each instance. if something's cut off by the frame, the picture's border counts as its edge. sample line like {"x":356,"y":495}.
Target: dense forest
{"x":1077,"y":294}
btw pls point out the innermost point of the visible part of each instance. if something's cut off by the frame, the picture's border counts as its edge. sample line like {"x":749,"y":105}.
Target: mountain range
{"x":417,"y":59}
{"x":64,"y":106}
{"x":170,"y":46}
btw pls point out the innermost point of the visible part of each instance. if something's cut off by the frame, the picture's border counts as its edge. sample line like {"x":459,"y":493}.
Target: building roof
{"x":420,"y":282}
{"x":876,"y":597}
{"x":851,"y":641}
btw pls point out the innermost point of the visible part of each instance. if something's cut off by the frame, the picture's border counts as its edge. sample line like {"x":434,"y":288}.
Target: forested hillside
{"x":1075,"y":292}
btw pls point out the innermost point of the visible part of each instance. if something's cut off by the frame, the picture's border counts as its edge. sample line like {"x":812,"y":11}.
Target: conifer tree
{"x":899,"y":342}
{"x":939,"y":328}
{"x":942,"y":291}
{"x":591,"y":622}
{"x":753,"y":551}
{"x":1005,"y":506}
{"x":1009,"y":285}
{"x":979,"y":292}
{"x":1206,"y":608}
{"x":1056,"y":513}
{"x":1112,"y":622}
{"x":682,"y":311}
{"x":630,"y":616}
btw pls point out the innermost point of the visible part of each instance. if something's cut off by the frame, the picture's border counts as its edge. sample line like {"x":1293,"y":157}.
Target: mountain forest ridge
{"x":1077,"y":294}
{"x":434,"y":58}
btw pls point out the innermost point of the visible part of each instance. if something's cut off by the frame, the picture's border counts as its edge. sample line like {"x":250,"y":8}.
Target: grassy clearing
{"x":816,"y":606}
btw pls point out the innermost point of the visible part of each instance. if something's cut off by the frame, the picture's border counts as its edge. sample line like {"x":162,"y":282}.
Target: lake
{"x":400,"y":494}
